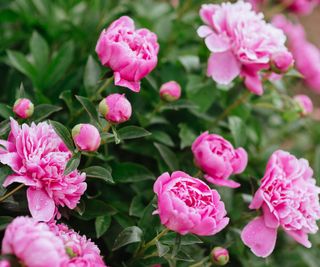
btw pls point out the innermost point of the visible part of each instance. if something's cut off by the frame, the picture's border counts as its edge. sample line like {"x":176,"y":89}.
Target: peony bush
{"x":153,"y":133}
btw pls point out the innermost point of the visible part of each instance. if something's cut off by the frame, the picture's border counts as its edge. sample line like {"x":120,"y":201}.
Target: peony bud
{"x":86,"y":137}
{"x":115,"y":108}
{"x":170,"y":91}
{"x":304,"y":103}
{"x":23,"y":107}
{"x":281,"y":61}
{"x":219,"y":256}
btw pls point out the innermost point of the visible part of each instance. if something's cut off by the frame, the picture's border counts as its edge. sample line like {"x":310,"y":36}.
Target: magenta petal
{"x":134,"y":86}
{"x":19,"y":179}
{"x":300,"y":237}
{"x":253,"y":83}
{"x":41,"y":206}
{"x":257,"y":200}
{"x":222,"y":182}
{"x":259,"y":238}
{"x":217,"y":43}
{"x":223,"y":67}
{"x":270,"y":219}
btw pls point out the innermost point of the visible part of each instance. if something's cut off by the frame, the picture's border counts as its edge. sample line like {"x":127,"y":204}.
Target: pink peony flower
{"x":33,"y":243}
{"x":289,"y":199}
{"x":23,"y":107}
{"x":4,"y":263}
{"x":131,"y":54}
{"x":38,"y":158}
{"x":305,"y":54}
{"x":218,"y":159}
{"x":86,"y":137}
{"x":240,"y":45}
{"x":188,"y":205}
{"x":219,"y":256}
{"x":301,"y":7}
{"x":305,"y":103}
{"x":170,"y":91}
{"x":115,"y":108}
{"x":82,"y":252}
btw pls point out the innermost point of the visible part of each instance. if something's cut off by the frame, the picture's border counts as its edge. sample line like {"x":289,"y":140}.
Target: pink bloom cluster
{"x":241,"y":45}
{"x":306,"y":55}
{"x":305,"y":104}
{"x":38,"y":158}
{"x":218,"y":159}
{"x":188,"y":205}
{"x":33,"y":243}
{"x":37,"y":244}
{"x":130,"y":53}
{"x":289,"y":199}
{"x":82,"y":251}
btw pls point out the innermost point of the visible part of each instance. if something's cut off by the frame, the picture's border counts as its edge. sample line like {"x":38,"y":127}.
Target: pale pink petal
{"x":223,"y":67}
{"x":217,"y":43}
{"x":41,"y":206}
{"x":132,"y":85}
{"x":259,"y":238}
{"x":19,"y":179}
{"x":253,"y":83}
{"x":257,"y":200}
{"x":204,"y":31}
{"x":222,"y":182}
{"x":300,"y":236}
{"x":270,"y":218}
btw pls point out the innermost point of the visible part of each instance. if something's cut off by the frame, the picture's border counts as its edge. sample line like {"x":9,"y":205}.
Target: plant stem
{"x":200,"y":263}
{"x":102,"y":88}
{"x":155,"y":240}
{"x":244,"y":96}
{"x":4,"y":197}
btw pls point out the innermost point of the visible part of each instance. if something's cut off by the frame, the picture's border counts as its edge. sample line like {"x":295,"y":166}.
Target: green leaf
{"x":132,"y":132}
{"x":137,"y":206}
{"x":40,"y":51}
{"x":4,"y":221}
{"x":187,"y":136}
{"x":64,"y":134}
{"x":316,"y":165}
{"x":129,"y":235}
{"x":21,"y":92}
{"x":89,"y":107}
{"x":131,"y":172}
{"x":66,"y":96}
{"x":95,"y":208}
{"x":168,"y":156}
{"x":102,"y":224}
{"x":186,"y":240}
{"x":180,"y":104}
{"x":43,"y":111}
{"x":190,"y":62}
{"x":99,"y":173}
{"x":73,"y":163}
{"x":117,"y":139}
{"x":81,"y":207}
{"x":20,"y":62}
{"x":91,"y":75}
{"x":162,"y":249}
{"x":6,"y":111}
{"x":238,"y":130}
{"x":162,"y":137}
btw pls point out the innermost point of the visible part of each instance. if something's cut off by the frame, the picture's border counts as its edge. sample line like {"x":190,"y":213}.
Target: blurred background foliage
{"x":48,"y":46}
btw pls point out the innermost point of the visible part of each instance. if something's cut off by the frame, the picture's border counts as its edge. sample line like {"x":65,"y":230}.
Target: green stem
{"x":200,"y":263}
{"x":102,"y":88}
{"x":243,"y":97}
{"x":4,"y":197}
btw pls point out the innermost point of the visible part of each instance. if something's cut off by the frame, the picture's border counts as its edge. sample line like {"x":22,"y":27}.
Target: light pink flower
{"x":115,"y":108}
{"x":218,"y":159}
{"x":220,"y":256}
{"x":82,"y":251}
{"x":4,"y":263}
{"x":130,"y":53}
{"x":38,"y":158}
{"x":240,"y":45}
{"x":86,"y":137}
{"x":289,"y":199}
{"x":305,"y":54}
{"x":305,"y":103}
{"x":188,"y":205}
{"x":301,"y":7}
{"x":23,"y":107}
{"x":170,"y":91}
{"x":33,"y":243}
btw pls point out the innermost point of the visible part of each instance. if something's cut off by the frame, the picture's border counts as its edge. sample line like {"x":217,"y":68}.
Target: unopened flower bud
{"x":170,"y":91}
{"x":86,"y":137}
{"x":304,"y":103}
{"x":115,"y":108}
{"x":281,"y":61}
{"x":23,"y":107}
{"x":220,"y":256}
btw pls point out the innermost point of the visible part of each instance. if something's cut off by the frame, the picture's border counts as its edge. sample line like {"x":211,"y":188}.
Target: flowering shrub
{"x":136,"y":133}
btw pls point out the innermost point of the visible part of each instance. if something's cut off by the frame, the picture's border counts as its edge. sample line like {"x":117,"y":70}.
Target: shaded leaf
{"x":73,"y":163}
{"x":102,"y":224}
{"x":91,"y":75}
{"x":64,"y":134}
{"x":168,"y":156}
{"x":43,"y":111}
{"x":89,"y":107}
{"x":132,"y":132}
{"x":131,"y":172}
{"x":99,"y":173}
{"x":129,"y":235}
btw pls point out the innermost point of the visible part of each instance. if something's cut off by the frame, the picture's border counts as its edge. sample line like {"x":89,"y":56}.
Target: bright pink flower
{"x":170,"y":91}
{"x":82,"y":251}
{"x":115,"y":108}
{"x":301,"y":7}
{"x":38,"y":158}
{"x":86,"y":137}
{"x":4,"y":263}
{"x":305,"y":54}
{"x":23,"y":107}
{"x":33,"y":243}
{"x":240,"y":45}
{"x":305,"y":103}
{"x":220,"y":256}
{"x":131,"y":54}
{"x":289,"y":199}
{"x":188,"y":205}
{"x":218,"y":159}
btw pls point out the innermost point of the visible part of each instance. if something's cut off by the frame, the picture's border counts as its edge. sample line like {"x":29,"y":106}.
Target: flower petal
{"x":300,"y":237}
